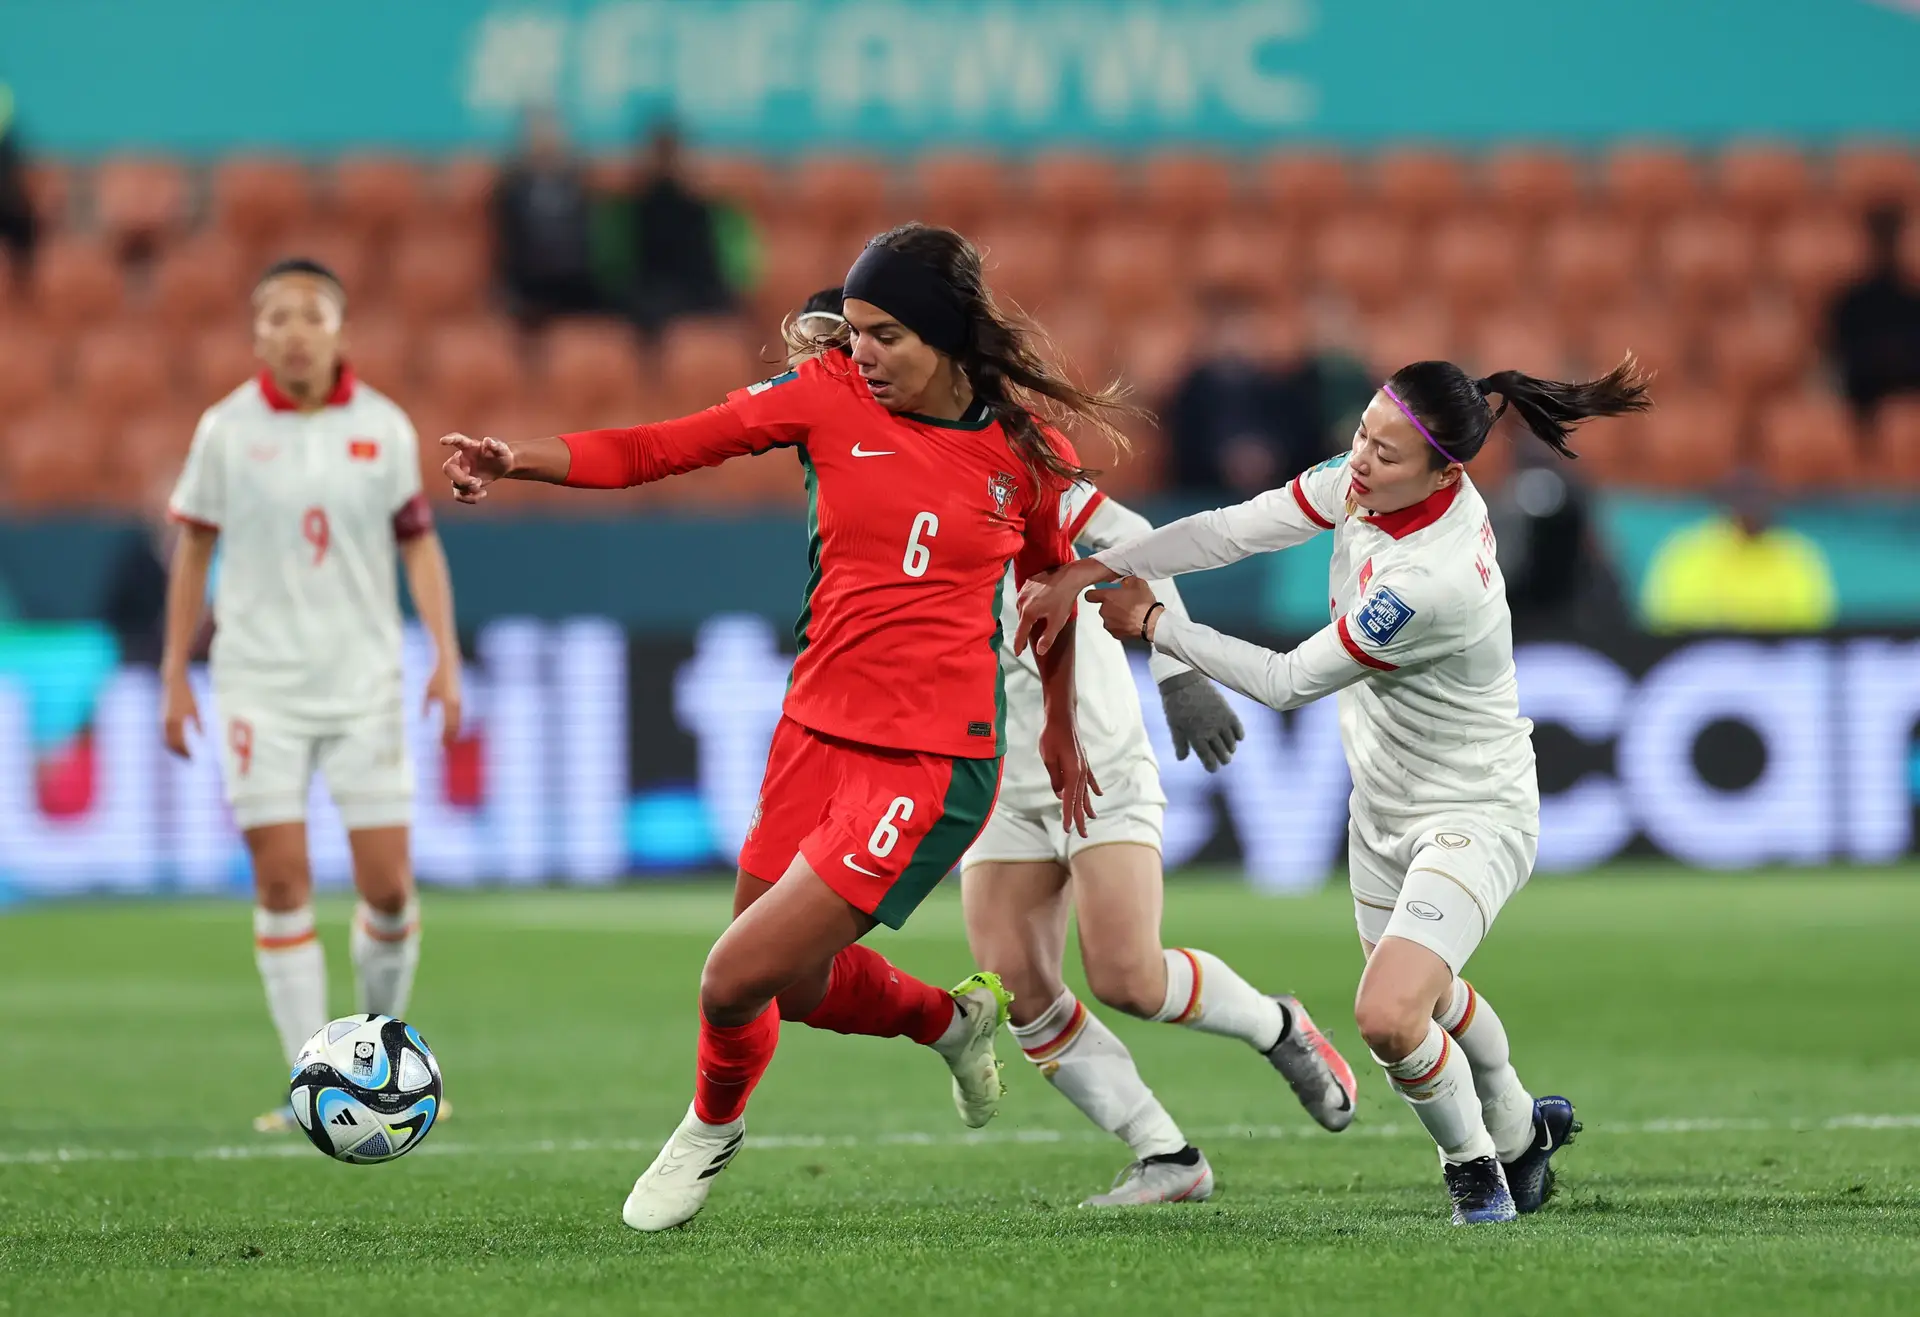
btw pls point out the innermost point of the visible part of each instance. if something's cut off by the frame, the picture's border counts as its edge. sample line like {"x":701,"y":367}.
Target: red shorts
{"x":880,"y":827}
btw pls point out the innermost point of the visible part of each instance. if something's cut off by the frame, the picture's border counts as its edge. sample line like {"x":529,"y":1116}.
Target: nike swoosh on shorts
{"x":847,"y":860}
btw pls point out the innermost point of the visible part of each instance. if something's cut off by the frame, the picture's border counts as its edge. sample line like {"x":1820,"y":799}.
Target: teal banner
{"x":204,"y":75}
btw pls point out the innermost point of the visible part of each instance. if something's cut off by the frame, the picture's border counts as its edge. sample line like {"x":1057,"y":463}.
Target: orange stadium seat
{"x":1895,"y":448}
{"x":1876,"y":174}
{"x":1155,"y":353}
{"x":1074,"y":187}
{"x":1410,"y":333}
{"x":256,"y":199}
{"x":346,"y":254}
{"x":1365,"y":256}
{"x":959,"y":188}
{"x":1084,"y":335}
{"x":120,"y":369}
{"x":1610,"y":450}
{"x":218,"y":361}
{"x":1588,"y":263}
{"x":1188,"y":188}
{"x":27,"y":369}
{"x":591,"y":373}
{"x":76,"y":283}
{"x":1705,"y":258}
{"x":1812,"y":255}
{"x":1419,"y":184}
{"x":1304,"y":185}
{"x":373,"y":195}
{"x":52,"y":459}
{"x":848,"y":192}
{"x":1132,"y":266}
{"x":1026,"y":262}
{"x":1531,"y":184}
{"x":473,"y":368}
{"x":1763,"y":180}
{"x":1809,"y":443}
{"x":798,"y":259}
{"x":608,"y":175}
{"x":1760,"y":350}
{"x":145,"y":455}
{"x":1520,"y":340}
{"x":50,"y":188}
{"x":1249,"y":255}
{"x":701,"y":361}
{"x":1647,"y":181}
{"x":1646,"y":331}
{"x":1690,"y":440}
{"x":462,"y":189}
{"x":435,"y":274}
{"x":747,"y":182}
{"x":202,"y":280}
{"x":382,"y":349}
{"x":1477,"y":261}
{"x":139,"y":201}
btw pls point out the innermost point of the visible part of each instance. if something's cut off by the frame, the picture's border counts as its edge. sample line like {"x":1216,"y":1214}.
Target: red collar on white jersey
{"x":1420,"y":515}
{"x":342,"y":391}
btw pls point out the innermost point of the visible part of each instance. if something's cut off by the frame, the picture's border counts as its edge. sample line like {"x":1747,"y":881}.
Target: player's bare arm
{"x":1047,"y":603}
{"x":424,"y":561}
{"x":1060,"y":749}
{"x":473,"y":464}
{"x":186,"y":601}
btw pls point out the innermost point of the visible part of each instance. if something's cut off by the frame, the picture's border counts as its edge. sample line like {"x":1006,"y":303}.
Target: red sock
{"x":731,"y":1062}
{"x":867,"y":995}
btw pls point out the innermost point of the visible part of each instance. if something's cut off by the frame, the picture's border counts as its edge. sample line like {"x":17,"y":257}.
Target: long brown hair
{"x":1010,"y":361}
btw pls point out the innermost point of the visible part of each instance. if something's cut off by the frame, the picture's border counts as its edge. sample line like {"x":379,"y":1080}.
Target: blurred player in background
{"x":1026,"y":873}
{"x":1445,"y":813}
{"x":928,"y":471}
{"x":309,"y":482}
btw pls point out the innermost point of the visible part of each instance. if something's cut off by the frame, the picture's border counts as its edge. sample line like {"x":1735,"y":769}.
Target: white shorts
{"x":268,"y":761}
{"x":1437,"y":881}
{"x":1131,"y":810}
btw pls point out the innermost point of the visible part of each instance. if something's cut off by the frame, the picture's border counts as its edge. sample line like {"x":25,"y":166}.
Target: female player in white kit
{"x":309,"y":481}
{"x":1445,"y":811}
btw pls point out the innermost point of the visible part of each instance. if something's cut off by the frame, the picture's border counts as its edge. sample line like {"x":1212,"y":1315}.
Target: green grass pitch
{"x":1742,"y":1049}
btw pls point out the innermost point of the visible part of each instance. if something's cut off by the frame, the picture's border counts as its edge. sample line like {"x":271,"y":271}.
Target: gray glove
{"x":1200,"y":719}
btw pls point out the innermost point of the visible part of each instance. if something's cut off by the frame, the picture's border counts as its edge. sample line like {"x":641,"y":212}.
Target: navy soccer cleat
{"x":1530,"y":1175}
{"x":1479,"y":1192}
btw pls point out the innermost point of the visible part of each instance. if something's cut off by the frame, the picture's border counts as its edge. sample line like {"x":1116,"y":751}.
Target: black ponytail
{"x":1454,"y":407}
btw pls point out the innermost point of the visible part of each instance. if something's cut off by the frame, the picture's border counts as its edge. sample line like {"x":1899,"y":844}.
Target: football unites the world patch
{"x":1382,"y":616}
{"x":785,"y":378}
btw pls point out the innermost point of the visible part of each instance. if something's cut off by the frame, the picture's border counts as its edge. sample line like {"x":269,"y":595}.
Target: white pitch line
{"x":979,"y":1138}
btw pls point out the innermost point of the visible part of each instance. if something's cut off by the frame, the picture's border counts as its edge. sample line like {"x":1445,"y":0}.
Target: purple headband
{"x":1407,"y":412}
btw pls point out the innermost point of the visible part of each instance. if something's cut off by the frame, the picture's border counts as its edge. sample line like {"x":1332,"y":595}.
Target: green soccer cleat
{"x":982,"y":1001}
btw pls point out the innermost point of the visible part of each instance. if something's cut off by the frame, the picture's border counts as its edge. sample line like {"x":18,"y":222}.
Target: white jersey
{"x":1420,"y":647}
{"x":308,"y":506}
{"x":1108,"y":715}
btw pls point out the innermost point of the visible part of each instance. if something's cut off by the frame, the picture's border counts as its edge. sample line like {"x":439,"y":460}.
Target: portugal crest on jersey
{"x":1002,"y":488}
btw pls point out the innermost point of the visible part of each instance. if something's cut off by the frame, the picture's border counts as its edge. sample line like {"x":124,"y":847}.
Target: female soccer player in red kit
{"x":927,"y":470}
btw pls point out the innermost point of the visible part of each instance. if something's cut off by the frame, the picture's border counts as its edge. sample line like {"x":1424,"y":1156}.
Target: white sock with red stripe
{"x":1437,"y":1082}
{"x":1204,"y":993}
{"x":294,"y":969}
{"x":1092,"y":1068}
{"x":386,"y":951}
{"x":1506,"y":1108}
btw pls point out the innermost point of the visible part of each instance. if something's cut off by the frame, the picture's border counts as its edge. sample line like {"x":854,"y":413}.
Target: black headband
{"x":912,"y":293}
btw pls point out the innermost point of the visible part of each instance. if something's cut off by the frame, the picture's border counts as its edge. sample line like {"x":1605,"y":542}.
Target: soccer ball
{"x":366,"y":1089}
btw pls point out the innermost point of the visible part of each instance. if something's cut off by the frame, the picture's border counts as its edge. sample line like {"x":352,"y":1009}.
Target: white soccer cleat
{"x":672,"y":1190}
{"x":977,"y":1088}
{"x":1159,"y":1180}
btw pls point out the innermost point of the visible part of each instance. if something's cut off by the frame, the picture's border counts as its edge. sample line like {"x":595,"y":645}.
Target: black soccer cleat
{"x":1479,"y":1192}
{"x":1530,"y":1175}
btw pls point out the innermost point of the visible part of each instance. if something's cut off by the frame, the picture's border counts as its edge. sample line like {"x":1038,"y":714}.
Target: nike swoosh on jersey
{"x":879,"y":452}
{"x":847,"y":860}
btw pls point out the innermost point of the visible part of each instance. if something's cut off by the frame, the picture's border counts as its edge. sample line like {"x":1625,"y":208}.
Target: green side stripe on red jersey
{"x":963,"y":813}
{"x":813,"y":556}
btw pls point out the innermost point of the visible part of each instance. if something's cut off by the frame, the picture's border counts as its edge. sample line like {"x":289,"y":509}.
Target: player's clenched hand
{"x":1070,"y":774}
{"x":1047,"y":601}
{"x":177,"y":710}
{"x":474,"y":464}
{"x":1124,"y":608}
{"x":443,"y":689}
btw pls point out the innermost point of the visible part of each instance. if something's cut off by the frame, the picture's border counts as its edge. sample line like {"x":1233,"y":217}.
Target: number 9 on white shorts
{"x":268,"y":760}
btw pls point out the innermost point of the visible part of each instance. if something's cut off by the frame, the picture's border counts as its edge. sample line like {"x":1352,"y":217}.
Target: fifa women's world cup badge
{"x":1002,"y":488}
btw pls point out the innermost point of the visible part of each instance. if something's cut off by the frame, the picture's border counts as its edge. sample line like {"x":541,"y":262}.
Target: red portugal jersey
{"x":912,"y":522}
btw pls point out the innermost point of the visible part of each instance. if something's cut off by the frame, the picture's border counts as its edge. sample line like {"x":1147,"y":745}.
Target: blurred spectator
{"x":1255,"y":409}
{"x":136,"y":602}
{"x":1873,"y":326}
{"x":676,"y":241}
{"x":17,"y":227}
{"x":1738,"y":571}
{"x":1542,"y":515}
{"x":543,"y":223}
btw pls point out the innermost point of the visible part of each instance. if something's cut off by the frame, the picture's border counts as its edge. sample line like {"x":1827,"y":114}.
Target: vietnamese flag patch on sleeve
{"x":363,"y":450}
